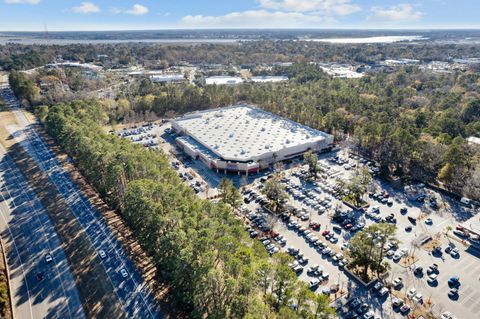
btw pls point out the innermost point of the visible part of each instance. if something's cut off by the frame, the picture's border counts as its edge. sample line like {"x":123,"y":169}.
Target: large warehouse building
{"x":244,"y":139}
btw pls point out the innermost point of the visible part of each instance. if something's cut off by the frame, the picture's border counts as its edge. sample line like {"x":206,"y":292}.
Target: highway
{"x":39,"y":289}
{"x":135,"y":297}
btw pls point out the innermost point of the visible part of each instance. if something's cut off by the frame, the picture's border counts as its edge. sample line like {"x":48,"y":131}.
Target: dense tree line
{"x":213,"y":268}
{"x":23,"y":87}
{"x":157,"y":56}
{"x":412,"y":122}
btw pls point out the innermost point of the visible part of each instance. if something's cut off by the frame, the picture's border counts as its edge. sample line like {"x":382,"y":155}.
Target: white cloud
{"x":137,"y":10}
{"x":23,"y":1}
{"x":332,"y":7}
{"x":257,"y":19}
{"x":398,"y":13}
{"x":86,"y":7}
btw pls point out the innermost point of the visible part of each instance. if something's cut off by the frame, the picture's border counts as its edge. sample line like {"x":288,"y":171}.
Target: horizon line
{"x":258,"y":29}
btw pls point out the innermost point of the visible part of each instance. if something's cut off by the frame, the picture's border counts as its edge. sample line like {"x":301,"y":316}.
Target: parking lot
{"x":203,"y":180}
{"x":419,"y":213}
{"x":309,"y":233}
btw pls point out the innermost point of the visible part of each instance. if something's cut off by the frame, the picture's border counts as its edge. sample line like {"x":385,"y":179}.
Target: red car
{"x":273,"y":234}
{"x":348,"y":226}
{"x":314,"y":226}
{"x":325,"y":232}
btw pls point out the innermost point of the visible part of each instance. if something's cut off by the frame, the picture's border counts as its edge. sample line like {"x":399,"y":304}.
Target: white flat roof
{"x":268,"y":78}
{"x":243,"y":132}
{"x":222,"y":80}
{"x":167,"y":77}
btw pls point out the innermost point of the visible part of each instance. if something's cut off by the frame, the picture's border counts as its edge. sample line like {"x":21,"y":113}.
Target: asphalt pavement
{"x":135,"y":297}
{"x":132,"y":292}
{"x":40,"y":289}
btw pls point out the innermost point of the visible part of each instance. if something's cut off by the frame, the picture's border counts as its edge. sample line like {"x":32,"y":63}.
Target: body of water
{"x":381,"y":39}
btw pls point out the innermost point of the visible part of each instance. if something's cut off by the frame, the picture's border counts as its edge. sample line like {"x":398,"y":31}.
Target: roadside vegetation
{"x":212,"y":267}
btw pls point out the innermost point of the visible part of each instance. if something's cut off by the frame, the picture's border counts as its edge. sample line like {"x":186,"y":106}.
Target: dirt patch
{"x":96,"y":291}
{"x":6,"y":119}
{"x":432,"y":244}
{"x":408,"y":260}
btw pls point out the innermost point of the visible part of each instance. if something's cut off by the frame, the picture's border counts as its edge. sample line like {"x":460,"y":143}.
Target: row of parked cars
{"x":354,"y":308}
{"x":140,"y":135}
{"x":351,"y":162}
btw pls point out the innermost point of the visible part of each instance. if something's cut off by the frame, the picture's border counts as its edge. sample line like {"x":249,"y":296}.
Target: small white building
{"x":268,"y":78}
{"x":223,"y":80}
{"x":167,"y":78}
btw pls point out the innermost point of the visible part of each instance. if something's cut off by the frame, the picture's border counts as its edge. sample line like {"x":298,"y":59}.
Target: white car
{"x":369,"y":315}
{"x":454,"y":252}
{"x":411,"y":293}
{"x":48,"y":258}
{"x":396,"y":257}
{"x":102,"y":254}
{"x":432,"y":278}
{"x":397,"y":282}
{"x":274,"y":250}
{"x":447,"y":315}
{"x":382,"y":292}
{"x":418,"y":298}
{"x":124,"y":273}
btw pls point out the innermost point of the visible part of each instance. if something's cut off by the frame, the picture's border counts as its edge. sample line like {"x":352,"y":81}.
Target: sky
{"x":79,"y":15}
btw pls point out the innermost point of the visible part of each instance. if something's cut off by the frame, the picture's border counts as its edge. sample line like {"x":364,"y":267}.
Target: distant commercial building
{"x":223,"y":80}
{"x":268,"y":78}
{"x":341,"y":71}
{"x":167,"y":78}
{"x":402,"y":62}
{"x":90,"y":66}
{"x":244,"y":139}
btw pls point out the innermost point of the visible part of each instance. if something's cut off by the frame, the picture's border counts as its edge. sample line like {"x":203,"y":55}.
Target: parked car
{"x":454,"y":282}
{"x":411,"y":293}
{"x":383,"y":292}
{"x":397,"y":283}
{"x":405,"y":308}
{"x":377,"y":286}
{"x":396,"y":302}
{"x":124,"y":273}
{"x":453,"y":293}
{"x":432,"y":279}
{"x":314,"y":283}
